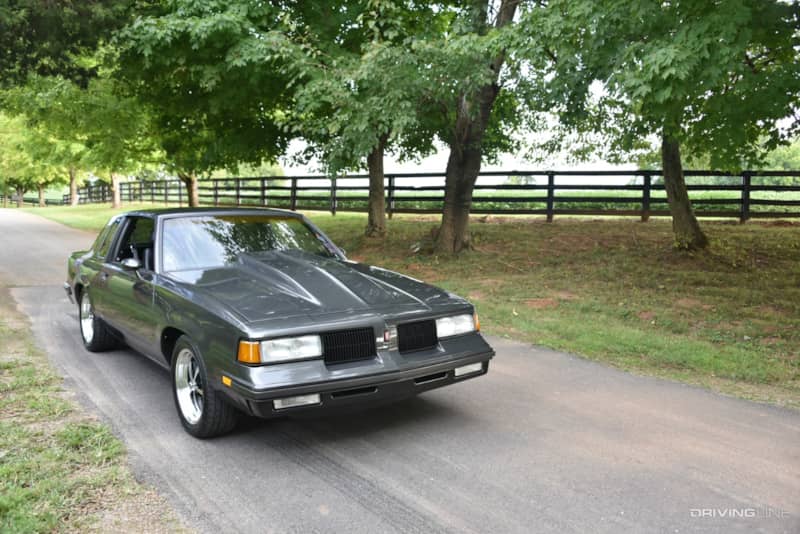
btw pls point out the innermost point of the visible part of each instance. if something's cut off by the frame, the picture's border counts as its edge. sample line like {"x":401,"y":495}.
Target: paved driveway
{"x":546,"y":442}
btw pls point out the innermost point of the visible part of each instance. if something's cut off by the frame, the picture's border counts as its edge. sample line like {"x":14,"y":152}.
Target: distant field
{"x":610,"y":289}
{"x":528,"y":200}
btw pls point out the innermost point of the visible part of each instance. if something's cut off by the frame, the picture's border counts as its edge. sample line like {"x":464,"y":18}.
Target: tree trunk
{"x":20,"y":195}
{"x":5,"y":195}
{"x":472,"y":119}
{"x":116,"y":201}
{"x":463,"y":167}
{"x":688,"y":235}
{"x":42,"y":203}
{"x":190,"y":181}
{"x":73,"y":188}
{"x":376,"y":221}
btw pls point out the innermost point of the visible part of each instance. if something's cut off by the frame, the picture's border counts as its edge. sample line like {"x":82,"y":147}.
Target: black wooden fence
{"x":640,"y":193}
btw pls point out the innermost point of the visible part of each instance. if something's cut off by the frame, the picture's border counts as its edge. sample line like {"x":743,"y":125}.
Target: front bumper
{"x":360,"y":391}
{"x":68,"y":289}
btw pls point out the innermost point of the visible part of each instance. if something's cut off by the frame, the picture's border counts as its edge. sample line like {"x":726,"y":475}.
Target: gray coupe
{"x":256,"y":310}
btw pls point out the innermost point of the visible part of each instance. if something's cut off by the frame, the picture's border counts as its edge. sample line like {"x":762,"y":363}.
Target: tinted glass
{"x":215,"y":241}
{"x":142,"y":231}
{"x":105,"y":239}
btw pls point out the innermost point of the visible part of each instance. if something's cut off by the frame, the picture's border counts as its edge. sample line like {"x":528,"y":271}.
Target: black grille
{"x":348,"y":345}
{"x":420,"y":335}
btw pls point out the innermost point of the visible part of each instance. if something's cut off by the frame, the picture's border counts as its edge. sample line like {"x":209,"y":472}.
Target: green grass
{"x":60,"y":469}
{"x":615,"y":291}
{"x":85,"y":217}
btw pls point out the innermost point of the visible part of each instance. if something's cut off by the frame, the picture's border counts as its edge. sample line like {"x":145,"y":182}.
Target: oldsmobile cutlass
{"x":256,"y":310}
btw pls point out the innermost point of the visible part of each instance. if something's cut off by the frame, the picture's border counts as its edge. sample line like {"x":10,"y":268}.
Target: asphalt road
{"x":546,"y":442}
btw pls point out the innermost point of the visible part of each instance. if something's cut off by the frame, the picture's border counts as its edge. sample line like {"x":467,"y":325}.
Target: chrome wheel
{"x":87,"y":319}
{"x":189,"y":386}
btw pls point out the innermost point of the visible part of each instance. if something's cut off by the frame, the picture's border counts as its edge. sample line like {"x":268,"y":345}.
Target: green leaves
{"x":212,"y":75}
{"x":717,"y":76}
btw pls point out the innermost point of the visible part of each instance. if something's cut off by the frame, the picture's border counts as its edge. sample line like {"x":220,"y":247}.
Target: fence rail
{"x":34,"y":201}
{"x":750,"y":194}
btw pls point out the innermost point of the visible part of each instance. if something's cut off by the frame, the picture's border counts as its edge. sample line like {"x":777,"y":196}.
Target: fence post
{"x":333,"y":196}
{"x":152,"y":192}
{"x":745,"y":214}
{"x":215,"y":185}
{"x":293,"y":195}
{"x":238,"y":191}
{"x":646,"y":198}
{"x":263,"y":191}
{"x":551,"y":193}
{"x":180,"y":194}
{"x":390,"y":208}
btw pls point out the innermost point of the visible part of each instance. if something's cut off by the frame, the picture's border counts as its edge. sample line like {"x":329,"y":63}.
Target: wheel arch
{"x":169,"y":337}
{"x":78,"y":291}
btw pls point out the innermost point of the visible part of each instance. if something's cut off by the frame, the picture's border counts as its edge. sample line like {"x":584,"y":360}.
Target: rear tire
{"x":96,"y":336}
{"x":202,"y":409}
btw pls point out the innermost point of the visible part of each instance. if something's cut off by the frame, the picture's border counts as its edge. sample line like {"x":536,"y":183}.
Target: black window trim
{"x":113,"y":238}
{"x":123,"y":228}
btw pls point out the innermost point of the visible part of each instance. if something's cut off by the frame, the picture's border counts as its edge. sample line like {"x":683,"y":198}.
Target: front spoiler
{"x":364,"y":391}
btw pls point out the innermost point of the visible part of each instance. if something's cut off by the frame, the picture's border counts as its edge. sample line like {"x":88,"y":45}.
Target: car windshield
{"x":210,"y":241}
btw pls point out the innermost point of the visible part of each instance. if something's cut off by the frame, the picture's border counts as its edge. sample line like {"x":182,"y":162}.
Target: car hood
{"x":280,"y":285}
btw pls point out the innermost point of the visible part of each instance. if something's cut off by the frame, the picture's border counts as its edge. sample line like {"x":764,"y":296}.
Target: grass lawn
{"x":611,"y":290}
{"x":60,"y":469}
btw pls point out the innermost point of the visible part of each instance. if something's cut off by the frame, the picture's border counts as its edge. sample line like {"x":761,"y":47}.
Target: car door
{"x":93,"y":264}
{"x":127,"y":294}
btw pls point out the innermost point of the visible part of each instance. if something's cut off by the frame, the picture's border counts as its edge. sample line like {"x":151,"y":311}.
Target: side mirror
{"x":132,"y":264}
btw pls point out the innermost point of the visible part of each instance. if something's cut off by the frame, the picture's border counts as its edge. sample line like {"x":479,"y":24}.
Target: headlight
{"x":290,"y":348}
{"x":285,"y":349}
{"x":455,"y":325}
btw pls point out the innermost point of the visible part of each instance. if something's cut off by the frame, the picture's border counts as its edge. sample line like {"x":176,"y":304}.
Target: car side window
{"x":106,"y":238}
{"x":137,"y":242}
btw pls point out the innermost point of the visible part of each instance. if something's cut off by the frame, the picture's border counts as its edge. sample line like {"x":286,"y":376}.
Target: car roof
{"x":178,"y":212}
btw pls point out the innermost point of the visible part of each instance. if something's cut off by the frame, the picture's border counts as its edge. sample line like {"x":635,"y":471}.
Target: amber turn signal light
{"x":477,"y":323}
{"x":249,"y":352}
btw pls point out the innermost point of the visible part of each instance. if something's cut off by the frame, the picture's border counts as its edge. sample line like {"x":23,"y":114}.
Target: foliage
{"x":716,"y":77}
{"x":784,"y":158}
{"x":55,"y":37}
{"x":98,"y":128}
{"x":210,"y":75}
{"x":401,"y":82}
{"x":28,"y":157}
{"x":264,"y":169}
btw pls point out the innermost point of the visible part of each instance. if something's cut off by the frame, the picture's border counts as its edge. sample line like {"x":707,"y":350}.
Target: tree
{"x":406,"y":88}
{"x":53,"y":37}
{"x":191,"y":65}
{"x":472,"y":114}
{"x":359,"y":91}
{"x":95,"y":127}
{"x":784,"y":158}
{"x":714,"y":78}
{"x":27,"y":158}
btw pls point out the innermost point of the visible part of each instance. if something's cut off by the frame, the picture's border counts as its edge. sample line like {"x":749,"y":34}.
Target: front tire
{"x":95,"y":334}
{"x":201,"y":408}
